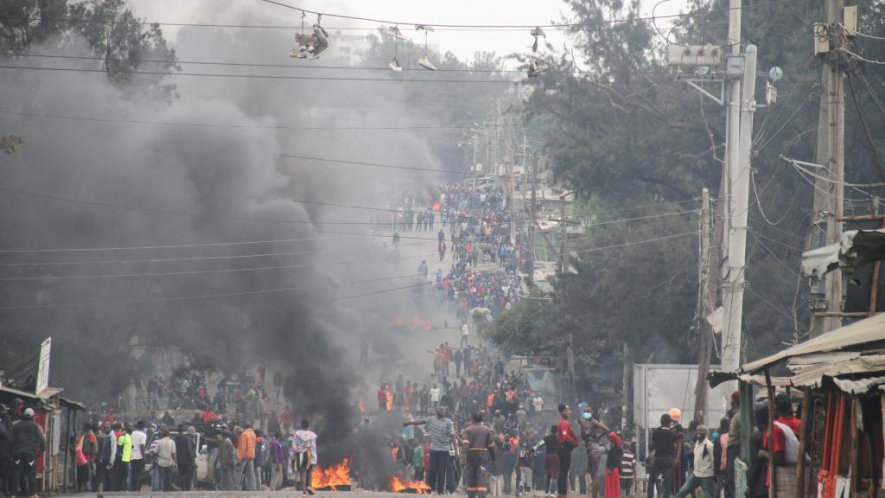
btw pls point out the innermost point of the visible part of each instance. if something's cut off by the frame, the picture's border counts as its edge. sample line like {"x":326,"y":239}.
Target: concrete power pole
{"x":829,"y":198}
{"x":707,"y":278}
{"x":733,"y":306}
{"x":533,"y":216}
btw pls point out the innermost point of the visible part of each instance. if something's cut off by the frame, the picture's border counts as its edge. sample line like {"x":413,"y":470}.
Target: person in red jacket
{"x":567,"y":442}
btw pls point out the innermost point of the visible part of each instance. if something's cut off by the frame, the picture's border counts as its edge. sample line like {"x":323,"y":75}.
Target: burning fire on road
{"x":335,"y":478}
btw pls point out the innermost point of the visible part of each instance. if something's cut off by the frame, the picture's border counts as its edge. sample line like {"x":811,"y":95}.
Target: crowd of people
{"x":126,"y":457}
{"x":684,"y":459}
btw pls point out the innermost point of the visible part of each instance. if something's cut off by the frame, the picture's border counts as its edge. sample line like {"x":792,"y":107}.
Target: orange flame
{"x":398,"y":485}
{"x":389,"y":401}
{"x":398,"y":320}
{"x":362,"y":405}
{"x":436,"y":206}
{"x":332,"y":477}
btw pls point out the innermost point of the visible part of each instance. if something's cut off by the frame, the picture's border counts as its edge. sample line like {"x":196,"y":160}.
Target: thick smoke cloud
{"x":158,"y":185}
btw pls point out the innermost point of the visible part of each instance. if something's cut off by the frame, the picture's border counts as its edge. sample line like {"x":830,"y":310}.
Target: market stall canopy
{"x":865,"y":335}
{"x":856,"y":249}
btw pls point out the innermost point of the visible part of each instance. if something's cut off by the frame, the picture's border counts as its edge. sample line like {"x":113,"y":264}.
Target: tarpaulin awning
{"x":866,"y":335}
{"x":856,"y":249}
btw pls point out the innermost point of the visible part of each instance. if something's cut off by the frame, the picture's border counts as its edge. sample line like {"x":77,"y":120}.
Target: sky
{"x":463,"y":43}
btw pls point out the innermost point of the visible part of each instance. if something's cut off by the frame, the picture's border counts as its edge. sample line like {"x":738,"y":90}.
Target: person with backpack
{"x":702,"y":477}
{"x":28,"y":443}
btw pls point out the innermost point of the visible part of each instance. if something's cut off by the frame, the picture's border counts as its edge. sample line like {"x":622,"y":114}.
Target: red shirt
{"x":567,"y":434}
{"x":779,"y":439}
{"x":286,"y":418}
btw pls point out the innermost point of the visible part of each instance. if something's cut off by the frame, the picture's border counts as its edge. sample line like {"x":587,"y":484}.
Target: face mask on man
{"x":587,"y":415}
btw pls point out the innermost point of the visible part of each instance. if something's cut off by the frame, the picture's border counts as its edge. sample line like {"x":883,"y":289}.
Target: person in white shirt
{"x":136,"y":467}
{"x":702,"y":477}
{"x":538,"y":404}
{"x":435,"y":394}
{"x":465,"y":333}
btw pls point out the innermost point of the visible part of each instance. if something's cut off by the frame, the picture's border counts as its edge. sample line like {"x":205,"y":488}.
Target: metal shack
{"x":842,"y":377}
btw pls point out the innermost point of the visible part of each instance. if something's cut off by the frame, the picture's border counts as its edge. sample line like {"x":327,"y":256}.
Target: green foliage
{"x":125,"y":43}
{"x":625,"y":134}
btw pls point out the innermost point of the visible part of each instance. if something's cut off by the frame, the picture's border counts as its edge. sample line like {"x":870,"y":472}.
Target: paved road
{"x":235,"y":494}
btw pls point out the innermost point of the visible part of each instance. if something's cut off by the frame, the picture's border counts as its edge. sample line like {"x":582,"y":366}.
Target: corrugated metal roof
{"x":859,"y":386}
{"x":855,"y":337}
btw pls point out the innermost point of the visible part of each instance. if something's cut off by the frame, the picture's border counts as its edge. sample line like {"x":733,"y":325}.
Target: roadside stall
{"x":57,"y":416}
{"x":842,"y":377}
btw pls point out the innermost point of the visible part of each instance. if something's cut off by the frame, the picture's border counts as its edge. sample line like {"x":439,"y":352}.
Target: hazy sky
{"x":462,"y":43}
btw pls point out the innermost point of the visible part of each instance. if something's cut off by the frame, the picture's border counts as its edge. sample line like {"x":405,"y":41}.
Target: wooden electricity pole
{"x":708,"y":279}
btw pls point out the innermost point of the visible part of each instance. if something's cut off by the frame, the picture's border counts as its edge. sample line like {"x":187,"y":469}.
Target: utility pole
{"x":532,"y":216}
{"x":732,"y":299}
{"x":829,"y":197}
{"x":707,"y":278}
{"x":562,"y":235}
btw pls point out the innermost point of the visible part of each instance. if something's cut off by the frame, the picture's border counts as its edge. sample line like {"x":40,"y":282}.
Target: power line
{"x":270,"y":65}
{"x":626,"y":244}
{"x":516,"y":26}
{"x":186,"y":213}
{"x":262,"y":76}
{"x":186,"y":273}
{"x":234,"y":126}
{"x":208,"y":244}
{"x":444,"y":27}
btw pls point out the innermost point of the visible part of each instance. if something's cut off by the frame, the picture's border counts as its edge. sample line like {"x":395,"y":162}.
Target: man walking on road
{"x":662,"y":452}
{"x":702,"y":477}
{"x":567,"y":442}
{"x":136,"y":465}
{"x":480,"y":443}
{"x":28,"y":443}
{"x":305,"y":446}
{"x":185,"y":449}
{"x":442,"y":436}
{"x":228,"y":457}
{"x":246,"y":459}
{"x":166,"y":459}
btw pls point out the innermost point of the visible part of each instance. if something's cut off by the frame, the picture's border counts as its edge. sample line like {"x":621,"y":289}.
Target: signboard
{"x":43,"y":371}
{"x":740,"y":477}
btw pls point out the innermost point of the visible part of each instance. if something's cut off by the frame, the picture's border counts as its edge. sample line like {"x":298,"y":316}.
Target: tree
{"x":624,"y":134}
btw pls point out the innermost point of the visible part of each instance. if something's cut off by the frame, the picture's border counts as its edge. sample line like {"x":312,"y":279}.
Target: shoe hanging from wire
{"x":425,"y":60}
{"x":536,"y":66}
{"x":397,"y":34}
{"x":311,"y":46}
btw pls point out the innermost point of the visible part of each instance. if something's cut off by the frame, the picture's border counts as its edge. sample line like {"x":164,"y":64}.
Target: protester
{"x":166,"y":459}
{"x":567,"y":442}
{"x":28,"y":443}
{"x":613,"y":466}
{"x":305,"y":450}
{"x":277,"y":462}
{"x":592,"y":432}
{"x":757,"y":469}
{"x":628,"y":470}
{"x":418,"y":460}
{"x":107,"y":451}
{"x":660,"y":462}
{"x":245,"y":473}
{"x":478,"y":439}
{"x":186,"y":452}
{"x":6,"y":456}
{"x":442,"y":436}
{"x":551,"y":461}
{"x":702,"y":477}
{"x":138,"y":439}
{"x":227,"y":458}
{"x":733,"y":447}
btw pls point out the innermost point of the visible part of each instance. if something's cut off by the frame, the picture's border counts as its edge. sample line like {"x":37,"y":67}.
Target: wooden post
{"x":854,"y":460}
{"x":772,"y":472}
{"x":805,"y":428}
